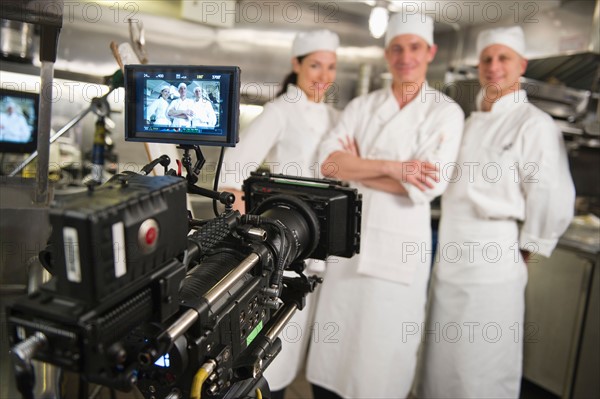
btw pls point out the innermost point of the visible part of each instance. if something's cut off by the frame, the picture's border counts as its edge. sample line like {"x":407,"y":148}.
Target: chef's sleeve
{"x":547,"y":186}
{"x":256,"y":141}
{"x":151,"y":109}
{"x":172,"y":105}
{"x":211,"y":116}
{"x":440,"y":148}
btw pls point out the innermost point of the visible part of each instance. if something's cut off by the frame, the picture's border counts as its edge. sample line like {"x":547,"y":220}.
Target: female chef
{"x":389,"y":143}
{"x":515,"y":197}
{"x":157,"y":111}
{"x":286,"y":137}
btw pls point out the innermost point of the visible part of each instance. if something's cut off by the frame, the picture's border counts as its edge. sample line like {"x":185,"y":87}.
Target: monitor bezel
{"x":232,"y":107}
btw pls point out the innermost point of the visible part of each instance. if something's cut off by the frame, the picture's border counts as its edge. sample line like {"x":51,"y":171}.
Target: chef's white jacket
{"x":512,"y":190}
{"x":371,"y":306}
{"x":158,"y":109}
{"x":285,"y":137}
{"x":429,"y":128}
{"x":523,"y":172}
{"x":180,"y":105}
{"x":204,"y":113}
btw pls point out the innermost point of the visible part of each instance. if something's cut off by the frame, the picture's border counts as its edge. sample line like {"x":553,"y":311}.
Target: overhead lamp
{"x":378,"y":21}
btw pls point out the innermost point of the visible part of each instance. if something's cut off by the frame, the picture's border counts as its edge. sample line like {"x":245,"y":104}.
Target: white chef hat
{"x":415,"y":24}
{"x":165,"y":87}
{"x":318,"y":40}
{"x":512,"y":37}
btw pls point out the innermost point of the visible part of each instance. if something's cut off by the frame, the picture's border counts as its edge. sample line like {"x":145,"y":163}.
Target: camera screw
{"x":117,"y":353}
{"x":213,"y":389}
{"x":174,"y":394}
{"x":133,"y":379}
{"x":226,"y":355}
{"x":257,"y":368}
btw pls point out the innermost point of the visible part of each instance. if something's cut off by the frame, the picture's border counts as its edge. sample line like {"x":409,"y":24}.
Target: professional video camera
{"x":136,"y":299}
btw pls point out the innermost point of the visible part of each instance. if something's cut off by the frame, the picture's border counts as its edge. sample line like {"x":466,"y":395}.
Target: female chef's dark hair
{"x":291,"y":78}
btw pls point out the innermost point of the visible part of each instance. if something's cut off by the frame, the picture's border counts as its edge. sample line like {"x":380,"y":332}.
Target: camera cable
{"x":216,"y":182}
{"x":201,"y":375}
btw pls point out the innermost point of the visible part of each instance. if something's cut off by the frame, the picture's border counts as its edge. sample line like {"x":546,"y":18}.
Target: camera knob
{"x":148,"y":235}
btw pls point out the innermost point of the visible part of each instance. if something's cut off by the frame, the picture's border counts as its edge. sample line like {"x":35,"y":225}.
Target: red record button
{"x":151,"y":236}
{"x":148,"y":235}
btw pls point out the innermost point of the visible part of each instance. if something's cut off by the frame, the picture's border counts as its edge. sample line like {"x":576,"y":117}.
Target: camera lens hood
{"x":303,"y":209}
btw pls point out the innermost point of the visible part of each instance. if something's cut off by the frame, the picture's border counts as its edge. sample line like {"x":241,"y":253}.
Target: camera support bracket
{"x":223,"y":197}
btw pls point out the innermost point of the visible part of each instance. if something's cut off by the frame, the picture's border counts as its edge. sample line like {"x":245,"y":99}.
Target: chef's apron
{"x":474,"y":333}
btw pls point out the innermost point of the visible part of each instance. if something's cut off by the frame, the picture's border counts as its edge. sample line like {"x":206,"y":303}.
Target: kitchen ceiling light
{"x":378,"y":21}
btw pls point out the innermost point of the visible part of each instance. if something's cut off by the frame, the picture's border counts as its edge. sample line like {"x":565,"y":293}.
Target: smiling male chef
{"x":390,"y":145}
{"x":519,"y":200}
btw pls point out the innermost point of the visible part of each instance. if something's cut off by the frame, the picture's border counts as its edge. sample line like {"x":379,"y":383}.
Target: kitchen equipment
{"x":16,"y":41}
{"x":558,"y":101}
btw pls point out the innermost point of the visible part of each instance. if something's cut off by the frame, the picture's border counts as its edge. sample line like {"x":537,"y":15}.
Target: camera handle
{"x":223,"y":197}
{"x":163,"y":160}
{"x":186,"y":161}
{"x":21,"y":356}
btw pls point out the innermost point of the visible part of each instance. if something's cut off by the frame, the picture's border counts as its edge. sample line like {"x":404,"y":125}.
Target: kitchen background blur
{"x":562,"y":342}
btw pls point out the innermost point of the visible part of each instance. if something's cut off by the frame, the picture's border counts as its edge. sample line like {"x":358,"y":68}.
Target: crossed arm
{"x":379,"y":174}
{"x":179,"y":113}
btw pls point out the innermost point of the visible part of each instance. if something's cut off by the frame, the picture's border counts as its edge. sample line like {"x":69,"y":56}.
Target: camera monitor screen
{"x":18,"y":121}
{"x":188,"y":105}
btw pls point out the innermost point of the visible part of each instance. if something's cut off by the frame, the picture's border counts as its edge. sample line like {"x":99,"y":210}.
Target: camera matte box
{"x":337,"y":207}
{"x":106,"y":239}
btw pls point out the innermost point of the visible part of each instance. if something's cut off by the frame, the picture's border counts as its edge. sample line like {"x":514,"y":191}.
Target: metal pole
{"x":185,"y":321}
{"x":43,"y":144}
{"x":231,"y":278}
{"x":283,"y":317}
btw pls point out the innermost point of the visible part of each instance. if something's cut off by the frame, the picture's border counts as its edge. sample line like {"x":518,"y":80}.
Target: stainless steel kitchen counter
{"x":585,"y":239}
{"x":562,"y":321}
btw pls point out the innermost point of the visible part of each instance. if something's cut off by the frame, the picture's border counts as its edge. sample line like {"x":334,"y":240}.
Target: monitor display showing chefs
{"x":13,"y":125}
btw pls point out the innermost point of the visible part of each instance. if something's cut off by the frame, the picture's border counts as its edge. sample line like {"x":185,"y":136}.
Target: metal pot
{"x":16,"y":41}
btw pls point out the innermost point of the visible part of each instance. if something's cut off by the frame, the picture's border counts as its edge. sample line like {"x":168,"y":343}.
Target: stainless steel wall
{"x":260,"y":46}
{"x":258,"y":43}
{"x":569,"y":29}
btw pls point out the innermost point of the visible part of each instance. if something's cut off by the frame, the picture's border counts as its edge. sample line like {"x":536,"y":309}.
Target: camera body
{"x":113,"y":255}
{"x":107,"y":321}
{"x":109,"y":237}
{"x":144,"y":295}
